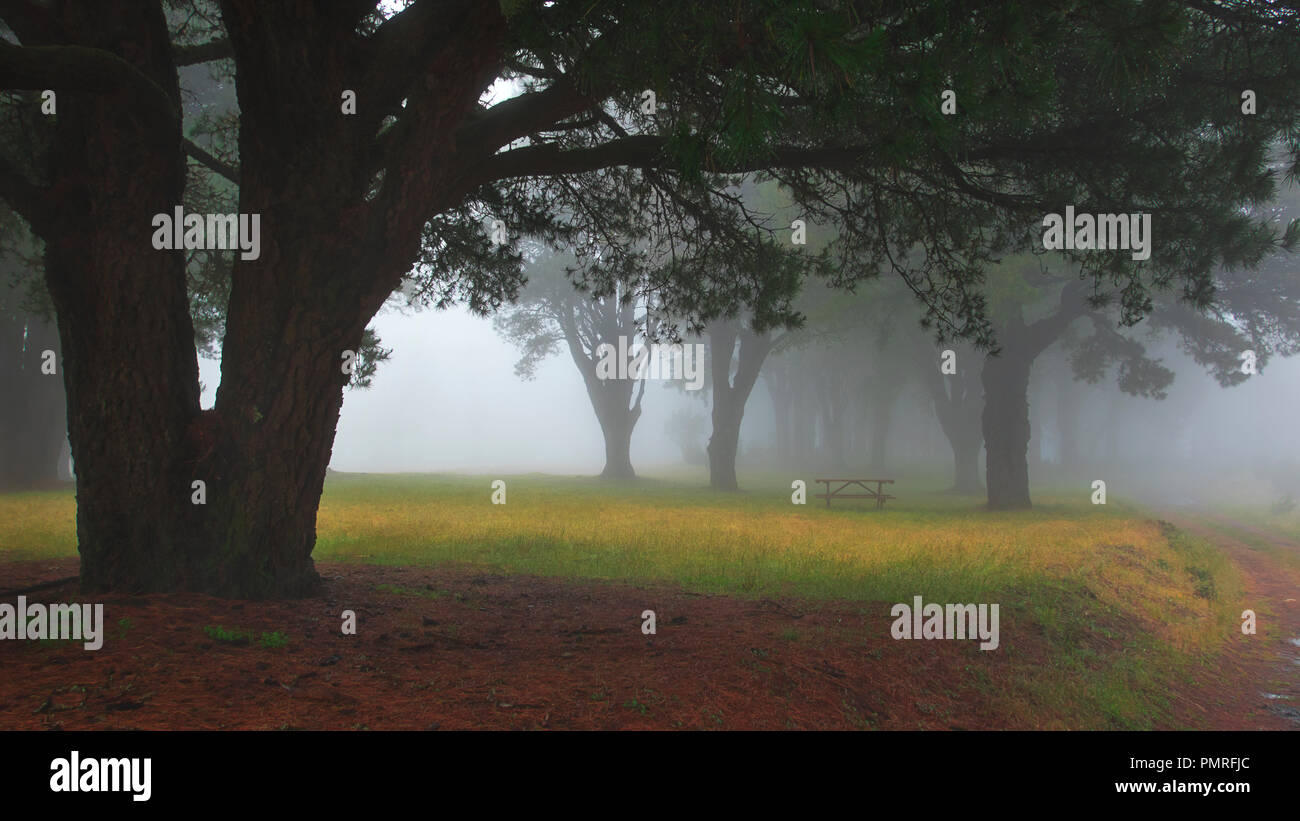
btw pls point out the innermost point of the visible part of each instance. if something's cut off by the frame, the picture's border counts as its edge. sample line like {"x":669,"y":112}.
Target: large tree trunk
{"x":1006,"y":398}
{"x":116,"y":164}
{"x":617,"y":421}
{"x":730,"y":396}
{"x":333,"y":246}
{"x":1006,"y":429}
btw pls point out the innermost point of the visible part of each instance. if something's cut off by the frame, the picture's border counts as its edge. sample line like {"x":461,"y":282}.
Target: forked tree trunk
{"x":332,"y":248}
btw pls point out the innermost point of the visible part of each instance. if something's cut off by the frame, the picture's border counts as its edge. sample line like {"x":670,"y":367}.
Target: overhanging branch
{"x":79,"y":68}
{"x":225,"y":169}
{"x":647,"y":151}
{"x":202,"y":52}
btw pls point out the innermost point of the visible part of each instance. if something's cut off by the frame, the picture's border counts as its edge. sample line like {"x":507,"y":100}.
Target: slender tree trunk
{"x":730,"y":395}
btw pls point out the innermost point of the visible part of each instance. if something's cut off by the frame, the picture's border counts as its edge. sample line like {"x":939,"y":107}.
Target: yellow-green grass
{"x":1127,"y":608}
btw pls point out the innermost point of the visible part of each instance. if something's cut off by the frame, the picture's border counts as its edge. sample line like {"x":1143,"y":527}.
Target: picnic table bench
{"x":856,"y":484}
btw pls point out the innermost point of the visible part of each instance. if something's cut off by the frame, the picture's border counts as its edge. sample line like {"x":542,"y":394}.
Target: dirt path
{"x":1257,"y":677}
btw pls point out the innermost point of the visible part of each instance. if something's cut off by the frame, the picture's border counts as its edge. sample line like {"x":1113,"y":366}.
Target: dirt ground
{"x":448,"y":649}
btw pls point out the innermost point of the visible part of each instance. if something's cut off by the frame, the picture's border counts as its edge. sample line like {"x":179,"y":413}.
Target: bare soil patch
{"x":452,"y":649}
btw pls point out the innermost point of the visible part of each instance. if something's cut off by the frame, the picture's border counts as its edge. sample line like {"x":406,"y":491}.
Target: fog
{"x":449,"y":401}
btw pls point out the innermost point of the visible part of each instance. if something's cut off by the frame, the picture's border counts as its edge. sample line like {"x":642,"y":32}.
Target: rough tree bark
{"x":116,"y":161}
{"x":333,"y":246}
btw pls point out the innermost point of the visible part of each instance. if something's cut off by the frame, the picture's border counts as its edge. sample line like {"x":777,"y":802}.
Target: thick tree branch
{"x":202,"y":53}
{"x":225,"y":169}
{"x":79,"y":68}
{"x":1047,"y":330}
{"x":523,"y":115}
{"x":404,"y":45}
{"x":646,"y":151}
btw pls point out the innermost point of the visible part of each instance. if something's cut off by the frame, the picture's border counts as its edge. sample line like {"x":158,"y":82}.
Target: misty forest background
{"x":857,"y":390}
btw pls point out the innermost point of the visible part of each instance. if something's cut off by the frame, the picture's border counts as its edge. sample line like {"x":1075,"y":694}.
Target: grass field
{"x":1126,"y":607}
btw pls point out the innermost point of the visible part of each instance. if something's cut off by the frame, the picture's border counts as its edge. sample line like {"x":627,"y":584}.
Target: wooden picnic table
{"x":838,"y":493}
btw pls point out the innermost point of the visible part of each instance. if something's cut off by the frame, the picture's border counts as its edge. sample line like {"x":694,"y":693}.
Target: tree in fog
{"x":958,"y":401}
{"x":1109,"y":106}
{"x":686,"y":429}
{"x":33,"y":427}
{"x":1253,"y":306}
{"x":550,"y":313}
